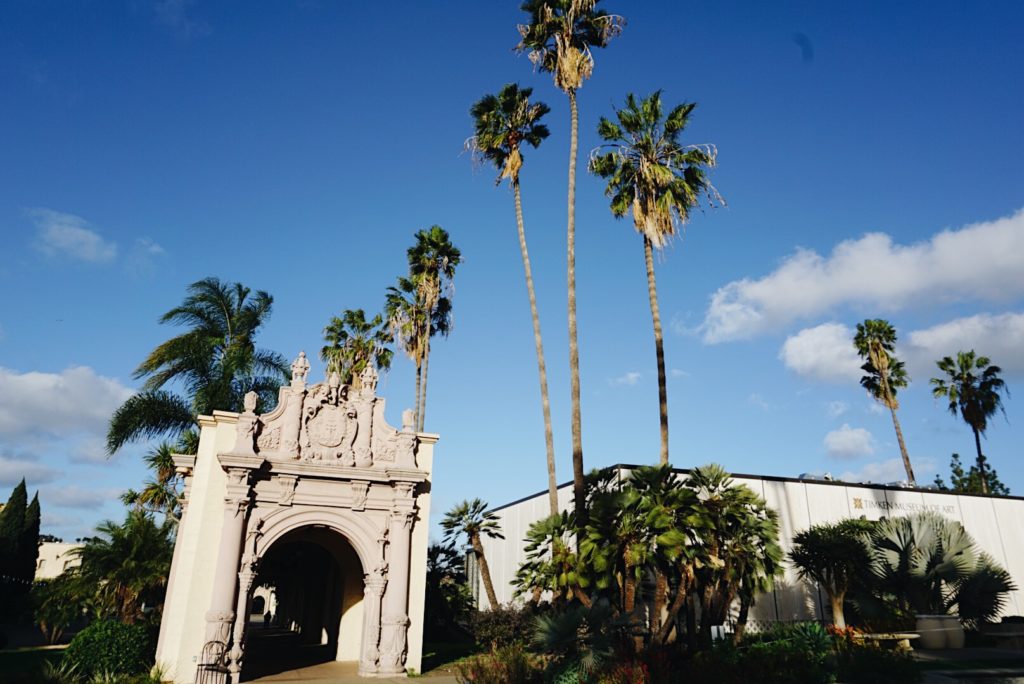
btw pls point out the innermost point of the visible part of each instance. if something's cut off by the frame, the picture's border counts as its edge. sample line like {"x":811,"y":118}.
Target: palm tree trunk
{"x":659,"y":348}
{"x":981,"y":461}
{"x":899,"y":432}
{"x":579,"y":495}
{"x":419,"y":380}
{"x":485,"y":570}
{"x":680,"y":600}
{"x":423,"y":398}
{"x":838,"y":614}
{"x":542,"y":370}
{"x":660,"y":599}
{"x":741,"y":621}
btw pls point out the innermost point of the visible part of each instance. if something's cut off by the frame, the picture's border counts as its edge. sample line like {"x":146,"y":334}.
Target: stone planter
{"x":931,"y":629}
{"x":940,"y":631}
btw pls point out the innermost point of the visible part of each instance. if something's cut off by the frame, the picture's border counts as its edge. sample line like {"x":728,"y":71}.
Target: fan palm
{"x":559,"y":37}
{"x":659,"y":180}
{"x":503,"y":122}
{"x":408,"y":324}
{"x":126,"y":565}
{"x":474,"y":521}
{"x":973,"y":387}
{"x":354,"y":342}
{"x":552,"y":562}
{"x":875,"y":342}
{"x":432,"y":262}
{"x":215,"y":362}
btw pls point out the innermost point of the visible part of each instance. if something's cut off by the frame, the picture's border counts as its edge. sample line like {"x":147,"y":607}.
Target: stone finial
{"x":249,"y":402}
{"x":300,"y":369}
{"x":408,"y":420}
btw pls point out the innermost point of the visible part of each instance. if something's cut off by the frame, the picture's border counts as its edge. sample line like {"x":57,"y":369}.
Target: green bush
{"x":107,"y":647}
{"x":502,"y":627}
{"x":507,"y":665}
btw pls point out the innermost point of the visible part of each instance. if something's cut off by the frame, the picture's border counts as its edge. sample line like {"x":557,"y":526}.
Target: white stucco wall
{"x":54,"y":558}
{"x":996,"y":523}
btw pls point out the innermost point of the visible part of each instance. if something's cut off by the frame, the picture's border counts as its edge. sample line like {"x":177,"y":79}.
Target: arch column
{"x":374,"y":583}
{"x":221,"y":615}
{"x":395,"y":621}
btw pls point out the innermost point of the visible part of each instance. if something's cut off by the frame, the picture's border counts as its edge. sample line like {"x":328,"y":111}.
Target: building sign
{"x":899,"y":507}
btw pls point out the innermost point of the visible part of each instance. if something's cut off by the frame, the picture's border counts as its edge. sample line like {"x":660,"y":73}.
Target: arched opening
{"x":314,"y":580}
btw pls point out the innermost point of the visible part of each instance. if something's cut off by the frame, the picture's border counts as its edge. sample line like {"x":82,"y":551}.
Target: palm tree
{"x":559,"y":38}
{"x":432,"y":262}
{"x":472,"y":519}
{"x":354,"y":342}
{"x":215,"y":361}
{"x":503,"y":123}
{"x":973,"y":386}
{"x":407,"y":322}
{"x":127,"y":565}
{"x":161,"y":493}
{"x":660,"y":180}
{"x":875,"y":341}
{"x":832,"y":554}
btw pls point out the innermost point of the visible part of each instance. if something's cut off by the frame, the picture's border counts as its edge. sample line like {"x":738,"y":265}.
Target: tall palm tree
{"x":973,"y":386}
{"x":408,"y":323}
{"x":503,"y":122}
{"x":659,"y":180}
{"x":216,"y":362}
{"x":354,"y":342}
{"x":432,"y":262}
{"x":559,"y":38}
{"x":472,"y":519}
{"x":875,"y":341}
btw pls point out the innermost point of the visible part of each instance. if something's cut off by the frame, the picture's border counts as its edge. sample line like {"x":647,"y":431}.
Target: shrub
{"x":503,"y":627}
{"x":507,"y":665}
{"x":108,"y":647}
{"x":873,"y":665}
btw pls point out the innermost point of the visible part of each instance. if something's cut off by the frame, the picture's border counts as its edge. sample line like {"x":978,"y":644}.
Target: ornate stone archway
{"x":323,"y":457}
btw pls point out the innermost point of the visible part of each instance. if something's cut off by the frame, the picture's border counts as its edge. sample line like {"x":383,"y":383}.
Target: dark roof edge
{"x":775,"y":478}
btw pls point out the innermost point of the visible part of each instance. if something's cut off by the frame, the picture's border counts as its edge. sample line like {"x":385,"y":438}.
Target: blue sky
{"x":870,"y":155}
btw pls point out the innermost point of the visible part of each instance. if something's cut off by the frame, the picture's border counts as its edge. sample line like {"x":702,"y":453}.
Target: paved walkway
{"x":997,"y":665}
{"x":338,"y":673}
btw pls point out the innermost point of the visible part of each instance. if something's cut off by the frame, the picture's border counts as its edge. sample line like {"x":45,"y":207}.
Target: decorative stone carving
{"x":218,"y":625}
{"x":374,"y":584}
{"x":286,"y":488}
{"x":393,"y":632}
{"x":300,"y":369}
{"x":328,"y":423}
{"x":360,"y":489}
{"x":245,"y":442}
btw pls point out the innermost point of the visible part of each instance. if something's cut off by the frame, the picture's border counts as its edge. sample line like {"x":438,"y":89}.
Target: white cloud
{"x":1000,"y":337}
{"x":981,"y":261}
{"x":73,"y":496}
{"x":12,"y":470}
{"x":74,"y":400}
{"x":92,"y":449}
{"x":141,"y":260}
{"x":890,"y":470}
{"x":757,"y":400}
{"x":678,"y":373}
{"x":848,"y":442}
{"x":60,"y":234}
{"x":824,"y":352}
{"x":628,"y":379}
{"x":836,"y":408}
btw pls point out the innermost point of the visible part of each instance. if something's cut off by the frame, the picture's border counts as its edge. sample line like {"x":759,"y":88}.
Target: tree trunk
{"x":579,"y":495}
{"x":691,"y":621}
{"x":660,"y":599}
{"x":741,"y":621}
{"x":891,"y":403}
{"x":838,"y":613}
{"x":419,"y":380}
{"x":678,"y":602}
{"x":423,"y":398}
{"x":659,"y":348}
{"x":981,"y":461}
{"x":485,"y":570}
{"x":542,"y":370}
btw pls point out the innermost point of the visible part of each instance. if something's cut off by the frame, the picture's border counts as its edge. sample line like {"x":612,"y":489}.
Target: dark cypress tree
{"x":12,"y":523}
{"x":28,"y":546}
